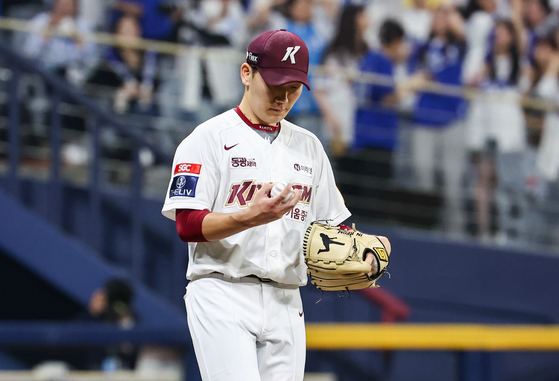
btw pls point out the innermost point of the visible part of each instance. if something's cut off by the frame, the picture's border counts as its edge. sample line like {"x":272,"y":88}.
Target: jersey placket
{"x":274,"y":153}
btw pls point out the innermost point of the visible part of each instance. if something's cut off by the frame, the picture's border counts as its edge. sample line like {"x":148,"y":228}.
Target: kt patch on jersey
{"x":184,"y":186}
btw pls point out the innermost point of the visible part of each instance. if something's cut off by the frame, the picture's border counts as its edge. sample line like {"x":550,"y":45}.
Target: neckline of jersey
{"x":260,"y":127}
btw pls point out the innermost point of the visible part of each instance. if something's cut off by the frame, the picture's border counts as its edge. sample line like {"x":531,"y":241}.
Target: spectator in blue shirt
{"x":300,"y":20}
{"x":157,"y":23}
{"x":376,"y":121}
{"x":438,"y":136}
{"x":56,"y":40}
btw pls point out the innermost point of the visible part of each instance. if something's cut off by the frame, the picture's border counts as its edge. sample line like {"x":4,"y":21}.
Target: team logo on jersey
{"x":303,"y":168}
{"x":242,"y":193}
{"x":184,"y":186}
{"x":242,"y":162}
{"x":188,"y":168}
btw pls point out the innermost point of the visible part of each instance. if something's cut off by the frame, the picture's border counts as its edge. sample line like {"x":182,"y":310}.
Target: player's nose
{"x":282,"y":97}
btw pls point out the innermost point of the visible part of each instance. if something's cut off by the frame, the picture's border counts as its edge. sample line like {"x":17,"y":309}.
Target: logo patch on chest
{"x":242,"y":162}
{"x":304,"y":169}
{"x":242,"y":193}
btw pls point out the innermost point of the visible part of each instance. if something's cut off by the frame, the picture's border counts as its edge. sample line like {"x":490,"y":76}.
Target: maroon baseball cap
{"x":280,"y":57}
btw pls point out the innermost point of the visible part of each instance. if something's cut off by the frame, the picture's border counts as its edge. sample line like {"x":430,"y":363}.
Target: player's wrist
{"x":243,"y":218}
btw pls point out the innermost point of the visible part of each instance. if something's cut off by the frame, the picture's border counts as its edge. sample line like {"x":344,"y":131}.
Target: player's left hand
{"x":372,"y":260}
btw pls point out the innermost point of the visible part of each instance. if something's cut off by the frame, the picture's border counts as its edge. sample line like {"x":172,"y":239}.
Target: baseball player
{"x":243,"y":305}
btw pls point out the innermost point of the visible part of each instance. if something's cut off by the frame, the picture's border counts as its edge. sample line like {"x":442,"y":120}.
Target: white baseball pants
{"x":246,"y":331}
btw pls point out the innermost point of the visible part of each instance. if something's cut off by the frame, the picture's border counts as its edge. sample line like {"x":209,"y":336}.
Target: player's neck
{"x":246,"y":114}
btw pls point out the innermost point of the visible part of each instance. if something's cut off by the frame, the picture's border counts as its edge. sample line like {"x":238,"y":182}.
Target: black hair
{"x":514,"y":52}
{"x":550,"y":41}
{"x":469,"y":9}
{"x":390,"y":31}
{"x":346,"y":41}
{"x":254,"y":70}
{"x":546,"y":6}
{"x":119,"y":298}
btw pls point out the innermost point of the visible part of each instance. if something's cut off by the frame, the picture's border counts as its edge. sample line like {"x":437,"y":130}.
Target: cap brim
{"x":277,"y":77}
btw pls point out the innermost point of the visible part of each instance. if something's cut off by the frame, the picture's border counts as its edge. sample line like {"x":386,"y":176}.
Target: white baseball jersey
{"x":221,"y":165}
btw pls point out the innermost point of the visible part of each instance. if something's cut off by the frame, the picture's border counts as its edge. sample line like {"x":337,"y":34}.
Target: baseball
{"x":278,"y":188}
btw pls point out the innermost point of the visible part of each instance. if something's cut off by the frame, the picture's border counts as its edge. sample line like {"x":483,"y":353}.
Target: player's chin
{"x":276,"y":116}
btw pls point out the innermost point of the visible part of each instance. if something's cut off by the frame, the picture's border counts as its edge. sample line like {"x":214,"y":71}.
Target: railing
{"x":394,"y":201}
{"x":99,"y":121}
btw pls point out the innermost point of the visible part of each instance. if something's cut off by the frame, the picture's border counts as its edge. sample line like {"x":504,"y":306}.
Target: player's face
{"x":270,"y":104}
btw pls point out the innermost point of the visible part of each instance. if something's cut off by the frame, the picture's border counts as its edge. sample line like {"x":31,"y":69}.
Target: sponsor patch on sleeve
{"x":184,"y":186}
{"x":188,"y":168}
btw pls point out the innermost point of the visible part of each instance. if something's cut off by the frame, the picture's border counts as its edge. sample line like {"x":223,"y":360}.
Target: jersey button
{"x":273,"y":253}
{"x":275,"y":169}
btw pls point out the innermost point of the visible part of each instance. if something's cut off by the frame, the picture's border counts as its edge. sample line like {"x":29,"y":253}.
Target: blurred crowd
{"x":458,"y":97}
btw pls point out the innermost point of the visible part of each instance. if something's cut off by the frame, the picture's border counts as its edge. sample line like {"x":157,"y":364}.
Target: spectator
{"x":223,"y":18}
{"x":56,"y":39}
{"x":134,"y":70}
{"x":271,"y":14}
{"x":265,"y":15}
{"x":213,"y":80}
{"x":535,"y":14}
{"x":416,"y":21}
{"x":497,"y":134}
{"x":438,"y":118}
{"x":301,"y":21}
{"x":334,"y":90}
{"x":376,"y":121}
{"x":112,"y":303}
{"x":96,"y":13}
{"x":480,"y":16}
{"x":157,"y":22}
{"x":544,"y":182}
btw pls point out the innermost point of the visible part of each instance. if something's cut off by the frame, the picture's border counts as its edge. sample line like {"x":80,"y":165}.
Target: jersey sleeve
{"x":330,"y":205}
{"x":194,"y":175}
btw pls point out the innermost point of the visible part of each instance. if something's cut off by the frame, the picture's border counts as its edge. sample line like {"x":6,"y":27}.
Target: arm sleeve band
{"x":189,"y":224}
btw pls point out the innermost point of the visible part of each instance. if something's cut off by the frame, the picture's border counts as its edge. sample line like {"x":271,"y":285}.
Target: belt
{"x":246,"y":279}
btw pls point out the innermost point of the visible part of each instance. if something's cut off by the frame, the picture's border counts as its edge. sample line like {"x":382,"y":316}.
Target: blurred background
{"x":440,"y":118}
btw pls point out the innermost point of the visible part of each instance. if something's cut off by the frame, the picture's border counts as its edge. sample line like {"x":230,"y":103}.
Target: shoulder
{"x":373,"y":57}
{"x":210,"y":130}
{"x":219,"y":123}
{"x":375,"y":61}
{"x":40,"y":20}
{"x":301,"y":134}
{"x":83,"y":25}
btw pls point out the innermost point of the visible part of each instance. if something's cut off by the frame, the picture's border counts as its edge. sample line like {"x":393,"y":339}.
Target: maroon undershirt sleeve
{"x":189,"y":224}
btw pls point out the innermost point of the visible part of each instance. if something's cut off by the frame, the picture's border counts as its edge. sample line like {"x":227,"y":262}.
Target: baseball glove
{"x":336,"y":258}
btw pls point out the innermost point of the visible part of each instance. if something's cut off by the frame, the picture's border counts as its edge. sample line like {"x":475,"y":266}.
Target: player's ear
{"x":246,"y":74}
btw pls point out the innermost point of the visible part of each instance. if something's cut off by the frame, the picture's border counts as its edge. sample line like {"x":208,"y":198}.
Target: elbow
{"x":189,"y":225}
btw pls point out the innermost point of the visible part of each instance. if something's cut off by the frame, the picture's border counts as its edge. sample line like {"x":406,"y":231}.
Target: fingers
{"x":284,"y":198}
{"x":266,"y":188}
{"x":386,"y":243}
{"x":372,"y":260}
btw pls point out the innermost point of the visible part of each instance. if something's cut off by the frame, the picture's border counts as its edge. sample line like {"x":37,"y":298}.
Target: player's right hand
{"x":264,"y":209}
